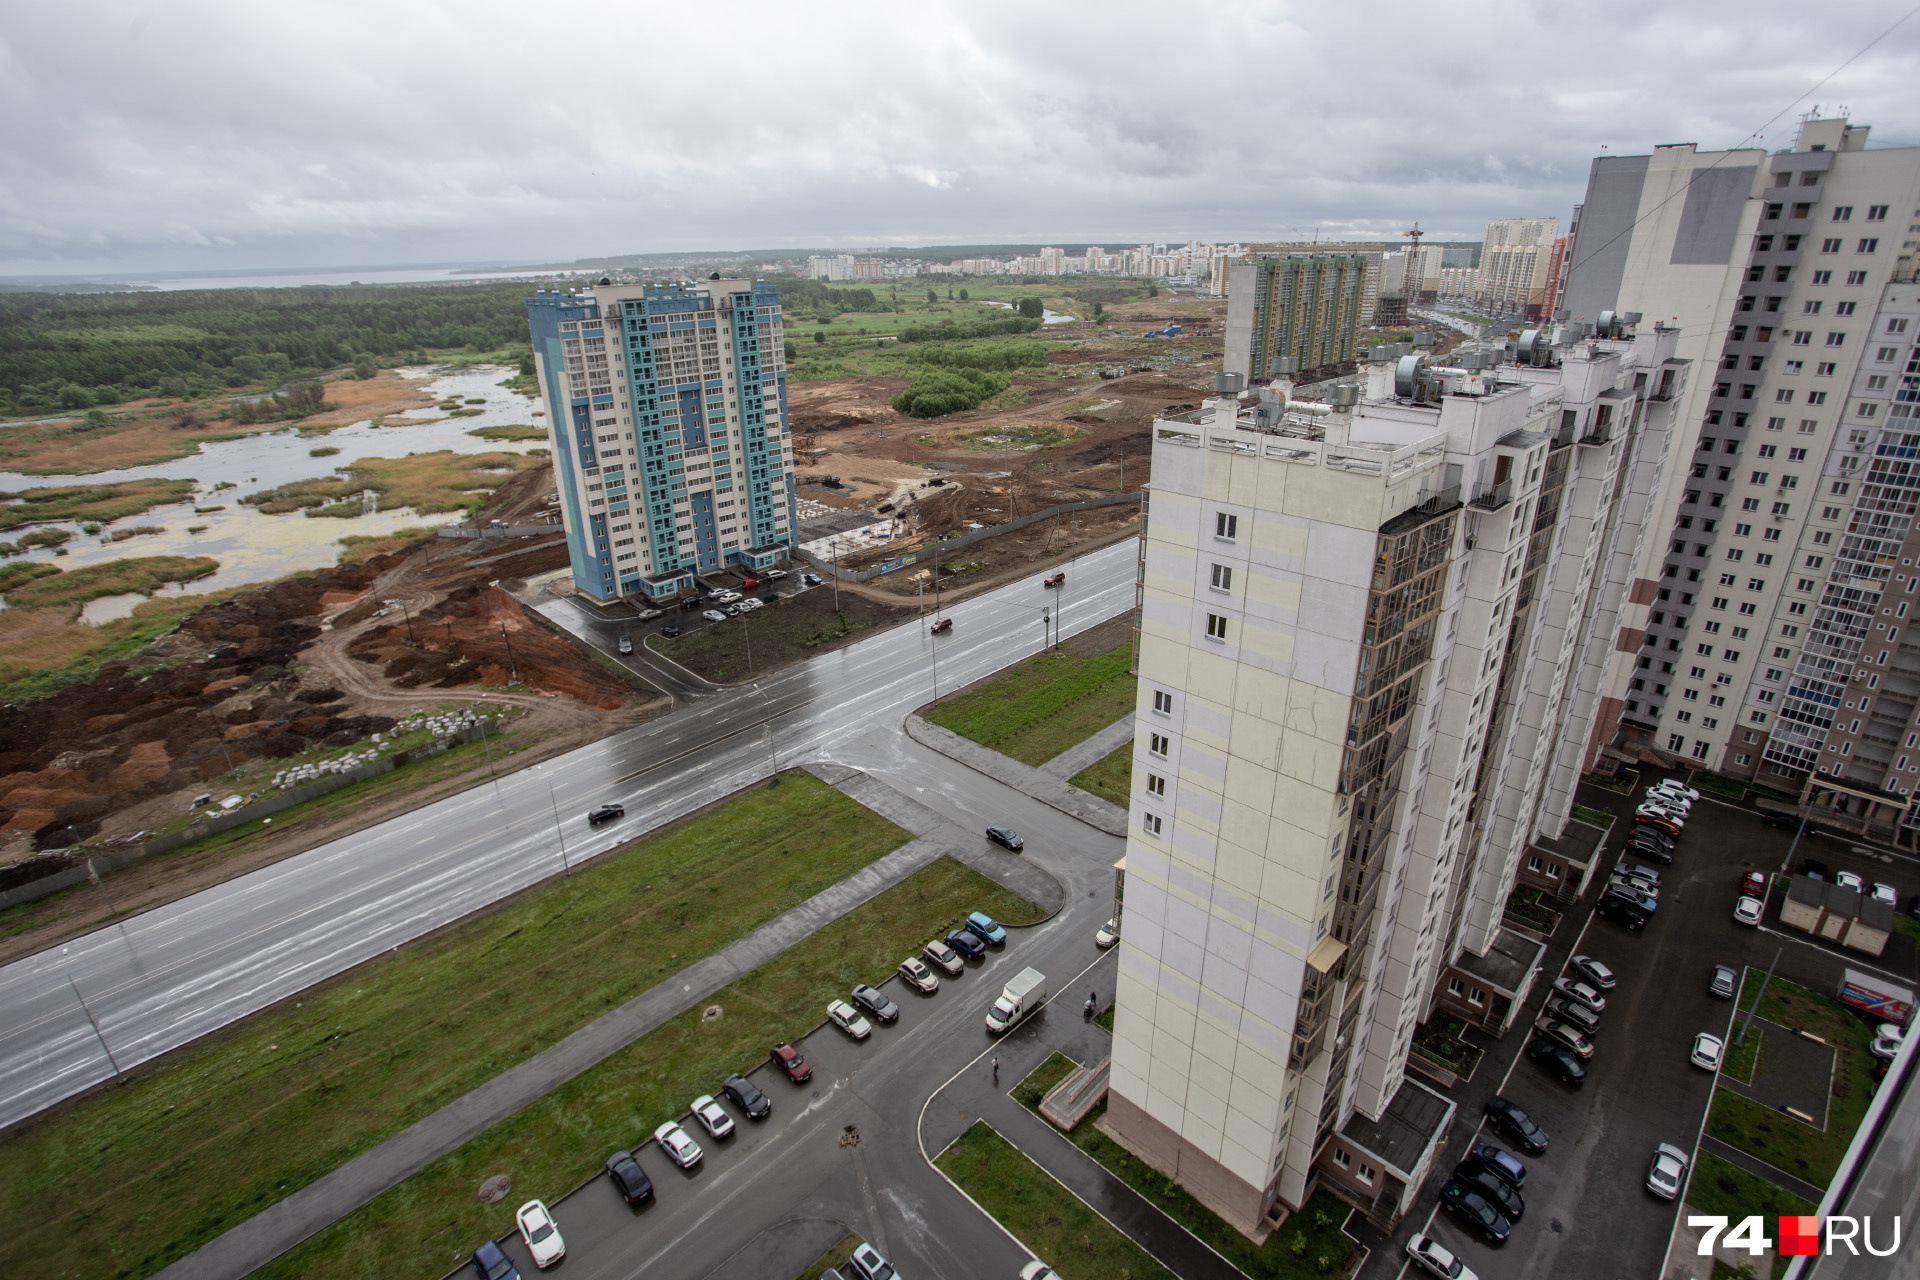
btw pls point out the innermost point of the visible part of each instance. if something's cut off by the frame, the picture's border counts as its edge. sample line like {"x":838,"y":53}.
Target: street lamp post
{"x":1046,"y":634}
{"x":94,"y":1022}
{"x":557,"y":829}
{"x":747,"y":635}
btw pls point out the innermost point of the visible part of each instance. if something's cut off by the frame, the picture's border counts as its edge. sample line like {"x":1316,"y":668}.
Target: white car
{"x":848,"y":1019}
{"x":753,"y":604}
{"x":1674,"y":787}
{"x":1850,"y":880}
{"x":713,"y":615}
{"x":726,"y":597}
{"x":541,"y":1233}
{"x":680,"y":1149}
{"x":1747,"y":910}
{"x":776,"y":574}
{"x":1036,"y":1270}
{"x":918,"y":976}
{"x":1661,"y":809}
{"x":1436,"y":1259}
{"x":1886,"y":1040}
{"x":712,"y":1117}
{"x":1707,"y":1051}
{"x":1634,"y":884}
{"x":1668,"y":1172}
{"x":1885,"y":893}
{"x":1107,"y":934}
{"x":647,"y":615}
{"x":1574,"y":989}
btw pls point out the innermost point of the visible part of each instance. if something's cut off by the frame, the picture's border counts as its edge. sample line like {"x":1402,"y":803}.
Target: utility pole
{"x":1758,"y":996}
{"x":1046,"y":633}
{"x":557,"y":830}
{"x":408,"y":615}
{"x":93,"y":1022}
{"x":834,"y":561}
{"x":512,"y":666}
{"x":748,"y":637}
{"x":1786,"y":863}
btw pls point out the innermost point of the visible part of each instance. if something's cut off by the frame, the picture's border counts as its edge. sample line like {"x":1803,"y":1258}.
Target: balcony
{"x":1492,"y":497}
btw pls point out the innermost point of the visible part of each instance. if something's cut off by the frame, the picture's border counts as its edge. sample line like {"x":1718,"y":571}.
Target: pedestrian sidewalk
{"x":1761,"y":1169}
{"x":274,"y":1230}
{"x":1091,"y":752}
{"x":1026,"y":779}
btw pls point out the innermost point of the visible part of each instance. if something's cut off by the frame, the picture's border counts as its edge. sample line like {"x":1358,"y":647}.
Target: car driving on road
{"x":1707,"y":1051}
{"x":1668,"y":1171}
{"x":1107,"y":934}
{"x":1720,"y":983}
{"x":1748,"y":911}
{"x":606,"y":813}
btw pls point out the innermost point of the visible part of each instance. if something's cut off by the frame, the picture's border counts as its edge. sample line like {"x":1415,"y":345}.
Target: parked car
{"x":726,"y":597}
{"x":1639,"y":899}
{"x":541,"y":1234}
{"x":774,"y":575}
{"x":982,"y":926}
{"x":848,"y":1019}
{"x":628,"y":1178}
{"x":1673,"y":786}
{"x":669,"y":631}
{"x":1437,"y":1260}
{"x":1654,"y":839}
{"x":916,"y":975}
{"x":1850,"y":880}
{"x":1593,"y":972}
{"x":874,"y":1004}
{"x":1517,"y":1124}
{"x":1468,"y":1205}
{"x":1498,"y":1192}
{"x":606,"y":813}
{"x":1707,"y":1051}
{"x":1558,"y":1059}
{"x":945,"y":957}
{"x":1754,"y":884}
{"x":1574,"y":1013}
{"x":1621,"y":911}
{"x":1748,"y":911}
{"x":810,"y":579}
{"x":647,"y":615}
{"x":1785,"y":821}
{"x":626,"y":644}
{"x":1884,"y":893}
{"x":680,"y":1148}
{"x":748,"y":584}
{"x":1107,"y":934}
{"x":732,"y":610}
{"x":1566,"y":1035}
{"x":1637,"y":871}
{"x":1661,"y":853}
{"x":788,"y":1059}
{"x":1814,"y":868}
{"x":1503,"y":1163}
{"x":744,"y":1094}
{"x":1668,"y":1171}
{"x":1632,"y":887}
{"x":1054,"y":580}
{"x":867,"y":1264}
{"x":713,"y":615}
{"x":1721,"y":983}
{"x":966,"y":944}
{"x":1574,"y":989}
{"x":1006,"y":838}
{"x":1658,"y":820}
{"x":712,"y":1117}
{"x":1035,"y":1270}
{"x":490,"y":1262}
{"x":1887,"y":1038}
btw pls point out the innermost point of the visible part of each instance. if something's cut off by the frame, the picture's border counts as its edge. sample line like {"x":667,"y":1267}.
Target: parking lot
{"x":1588,"y":1212}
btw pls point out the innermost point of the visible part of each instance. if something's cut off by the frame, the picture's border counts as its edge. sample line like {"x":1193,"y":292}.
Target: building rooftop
{"x":1522,"y":439}
{"x":1578,"y":843}
{"x":1410,"y":1124}
{"x":1510,"y":960}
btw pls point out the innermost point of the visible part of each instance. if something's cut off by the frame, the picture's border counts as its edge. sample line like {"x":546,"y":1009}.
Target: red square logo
{"x":1799,"y":1236}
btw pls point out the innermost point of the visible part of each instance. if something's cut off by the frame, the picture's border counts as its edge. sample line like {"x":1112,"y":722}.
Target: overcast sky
{"x":220,"y":135}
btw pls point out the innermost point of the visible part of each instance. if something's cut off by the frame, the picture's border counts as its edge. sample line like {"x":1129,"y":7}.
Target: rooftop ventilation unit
{"x":1534,"y":348}
{"x":1344,"y":396}
{"x":1410,"y":377}
{"x":1229,"y":384}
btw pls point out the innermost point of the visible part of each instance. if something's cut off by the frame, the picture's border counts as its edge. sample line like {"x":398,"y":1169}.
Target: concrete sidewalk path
{"x":1024,"y":778}
{"x":1086,"y":754}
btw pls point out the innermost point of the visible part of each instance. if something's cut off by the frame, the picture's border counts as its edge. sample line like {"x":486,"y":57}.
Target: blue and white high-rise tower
{"x":667,"y":411}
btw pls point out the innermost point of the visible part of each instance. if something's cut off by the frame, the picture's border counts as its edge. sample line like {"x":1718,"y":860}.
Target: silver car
{"x":1668,"y":1172}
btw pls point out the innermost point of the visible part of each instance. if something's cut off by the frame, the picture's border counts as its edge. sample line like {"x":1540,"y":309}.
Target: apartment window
{"x":1675,"y":742}
{"x":1783,"y":395}
{"x":1823,"y":277}
{"x":1842,"y":212}
{"x":1226,"y":527}
{"x":1876,"y":213}
{"x":1808,"y":426}
{"x":1163,"y":702}
{"x":1836,"y":339}
{"x":1830,"y":246}
{"x":1156,"y":785}
{"x":1157,"y":744}
{"x":1896,"y":325}
{"x":1776,"y":424}
{"x":1816,"y":397}
{"x":1887,"y":353}
{"x":1856,"y":277}
{"x":1216,"y":626}
{"x":1150,"y":823}
{"x":1811,"y":307}
{"x":1868,"y":246}
{"x":1844,"y":308}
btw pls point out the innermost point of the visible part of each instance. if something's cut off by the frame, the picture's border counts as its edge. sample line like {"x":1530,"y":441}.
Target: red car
{"x":748,"y":584}
{"x":788,"y":1059}
{"x":1659,"y":824}
{"x":1055,"y":580}
{"x":1754,"y":885}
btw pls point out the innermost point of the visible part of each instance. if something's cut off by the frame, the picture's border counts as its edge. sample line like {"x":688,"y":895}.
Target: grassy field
{"x":427,"y":482}
{"x":1048,"y":703}
{"x":800,"y":626}
{"x":361,"y":547}
{"x":1075,"y":1241}
{"x":96,"y":503}
{"x":430,"y":1222}
{"x":1109,"y":777}
{"x":511,"y":431}
{"x":1056,"y":1068}
{"x":45,"y":649}
{"x":145,"y":574}
{"x":1715,"y":1186}
{"x":220,"y":1130}
{"x":1780,"y":1140}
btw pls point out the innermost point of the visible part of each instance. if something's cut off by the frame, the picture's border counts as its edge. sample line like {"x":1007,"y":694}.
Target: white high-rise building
{"x":1516,"y":264}
{"x":1371,"y":642}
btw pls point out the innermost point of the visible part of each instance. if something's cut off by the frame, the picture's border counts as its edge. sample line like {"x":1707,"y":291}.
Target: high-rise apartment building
{"x":1760,"y":648}
{"x":667,"y":413}
{"x":1372,"y":637}
{"x":1516,"y":266}
{"x":1307,"y":307}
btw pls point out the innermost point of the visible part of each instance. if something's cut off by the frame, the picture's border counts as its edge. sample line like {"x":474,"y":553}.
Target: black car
{"x":1516,"y":1124}
{"x":1645,"y":840}
{"x":1913,"y":906}
{"x":874,"y":1004}
{"x":742,"y":1093}
{"x":1473,"y":1210}
{"x":966,"y":944}
{"x":1497,"y":1191}
{"x":605,"y":813}
{"x":1815,"y":869}
{"x":1502,"y":1164}
{"x":1574,"y":1012}
{"x":1621,"y":911}
{"x":629,"y":1179}
{"x":1006,"y":838}
{"x":1558,"y":1059}
{"x":1785,"y":821}
{"x":669,"y":631}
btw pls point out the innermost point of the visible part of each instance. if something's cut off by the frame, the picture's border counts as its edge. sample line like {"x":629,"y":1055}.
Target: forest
{"x":74,"y":351}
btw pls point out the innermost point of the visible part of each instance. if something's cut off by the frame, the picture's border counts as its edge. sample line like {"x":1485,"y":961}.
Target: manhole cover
{"x":712,"y":1012}
{"x":495,"y":1189}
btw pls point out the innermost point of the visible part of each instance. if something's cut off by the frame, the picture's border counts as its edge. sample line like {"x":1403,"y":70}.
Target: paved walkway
{"x":274,"y":1230}
{"x":1092,"y":751}
{"x":1024,"y":778}
{"x":1761,"y":1169}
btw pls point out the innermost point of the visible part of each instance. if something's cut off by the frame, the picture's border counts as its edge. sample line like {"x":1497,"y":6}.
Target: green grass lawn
{"x":834,"y":1257}
{"x":431,"y":1221}
{"x":1780,"y":1140}
{"x":1110,"y":777}
{"x":1716,"y":1186}
{"x":1075,"y":1241}
{"x":1056,"y":1068}
{"x":129,"y":1179}
{"x":1291,"y":1253}
{"x":1048,"y":703}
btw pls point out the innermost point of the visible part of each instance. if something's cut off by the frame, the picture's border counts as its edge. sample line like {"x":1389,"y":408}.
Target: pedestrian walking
{"x":996,"y":1069}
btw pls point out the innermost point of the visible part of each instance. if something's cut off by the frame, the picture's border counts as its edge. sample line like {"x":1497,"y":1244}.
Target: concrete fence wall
{"x":511,"y":531}
{"x":930,"y":550}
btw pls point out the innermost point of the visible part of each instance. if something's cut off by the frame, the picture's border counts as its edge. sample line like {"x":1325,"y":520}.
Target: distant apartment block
{"x":1372,"y":638}
{"x":1517,"y":263}
{"x":666,"y":409}
{"x":1303,"y":307}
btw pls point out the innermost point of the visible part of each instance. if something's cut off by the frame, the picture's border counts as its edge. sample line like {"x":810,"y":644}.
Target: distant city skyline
{"x":218,"y":137}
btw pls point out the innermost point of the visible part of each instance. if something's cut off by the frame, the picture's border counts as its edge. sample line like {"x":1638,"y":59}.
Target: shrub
{"x":1003,"y":357}
{"x":975,"y":329}
{"x":941,"y":391}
